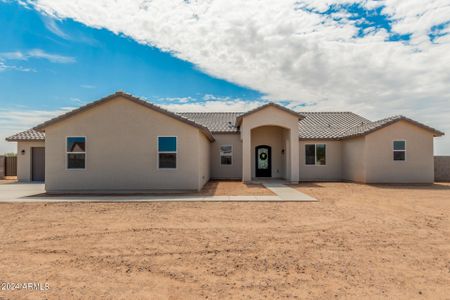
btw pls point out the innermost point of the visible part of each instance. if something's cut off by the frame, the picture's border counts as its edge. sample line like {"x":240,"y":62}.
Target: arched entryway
{"x":274,"y":126}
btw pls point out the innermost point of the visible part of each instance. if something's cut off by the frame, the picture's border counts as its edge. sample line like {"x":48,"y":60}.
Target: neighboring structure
{"x":123,"y":143}
{"x":442,"y":168}
{"x":2,"y":167}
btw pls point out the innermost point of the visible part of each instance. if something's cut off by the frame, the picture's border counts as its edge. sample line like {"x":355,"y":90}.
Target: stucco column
{"x":246,"y":155}
{"x":294,"y":155}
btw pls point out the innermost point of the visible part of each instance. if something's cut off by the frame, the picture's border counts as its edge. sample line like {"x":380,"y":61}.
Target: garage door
{"x":38,"y":163}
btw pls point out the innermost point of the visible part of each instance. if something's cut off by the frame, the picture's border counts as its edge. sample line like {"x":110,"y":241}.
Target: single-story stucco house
{"x":123,"y":143}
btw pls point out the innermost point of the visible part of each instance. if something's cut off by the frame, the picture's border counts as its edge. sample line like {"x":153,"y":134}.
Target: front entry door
{"x":263,"y":163}
{"x":38,"y":164}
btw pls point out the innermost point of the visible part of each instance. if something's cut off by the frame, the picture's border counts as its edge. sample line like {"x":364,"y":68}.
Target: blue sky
{"x":375,"y":58}
{"x":90,"y":63}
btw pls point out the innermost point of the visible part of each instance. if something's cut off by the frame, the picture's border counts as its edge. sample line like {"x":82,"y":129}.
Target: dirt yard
{"x":234,"y":188}
{"x":358,"y":242}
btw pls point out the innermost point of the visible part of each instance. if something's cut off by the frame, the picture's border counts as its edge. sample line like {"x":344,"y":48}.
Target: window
{"x":226,"y":154}
{"x":76,"y":152}
{"x":310,"y":154}
{"x":399,"y":148}
{"x":167,"y":152}
{"x":315,"y":154}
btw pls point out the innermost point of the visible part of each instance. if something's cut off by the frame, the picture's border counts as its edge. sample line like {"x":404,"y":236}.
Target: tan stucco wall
{"x":332,"y":171}
{"x":203,"y":158}
{"x":273,"y":137}
{"x":233,"y":171}
{"x":270,"y":116}
{"x":122,"y":150}
{"x":354,"y":159}
{"x":419,"y":164}
{"x":24,"y":161}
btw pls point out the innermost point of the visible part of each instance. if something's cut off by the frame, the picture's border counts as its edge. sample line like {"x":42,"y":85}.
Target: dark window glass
{"x":399,"y":155}
{"x":310,"y":156}
{"x":167,"y":144}
{"x":76,"y":160}
{"x":399,"y":145}
{"x":76,"y":144}
{"x":227,"y":149}
{"x":167,"y":160}
{"x":225,"y":160}
{"x":321,"y":154}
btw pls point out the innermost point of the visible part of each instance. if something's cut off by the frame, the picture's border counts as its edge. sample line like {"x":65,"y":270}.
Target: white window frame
{"x":230,"y":155}
{"x":85,"y":153}
{"x":315,"y":154}
{"x":158,"y":152}
{"x":393,"y":150}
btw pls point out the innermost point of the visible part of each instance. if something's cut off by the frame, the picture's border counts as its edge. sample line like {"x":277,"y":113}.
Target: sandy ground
{"x":358,"y":242}
{"x":234,"y":188}
{"x":8,"y":180}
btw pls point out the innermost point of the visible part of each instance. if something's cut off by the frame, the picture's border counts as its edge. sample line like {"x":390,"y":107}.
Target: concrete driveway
{"x":33,"y":192}
{"x":18,"y":191}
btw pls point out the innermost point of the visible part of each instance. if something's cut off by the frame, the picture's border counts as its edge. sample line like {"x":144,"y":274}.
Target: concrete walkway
{"x":286,"y":193}
{"x":29,"y":193}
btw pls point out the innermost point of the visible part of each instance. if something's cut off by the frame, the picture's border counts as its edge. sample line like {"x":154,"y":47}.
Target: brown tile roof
{"x":311,"y":125}
{"x":328,"y":125}
{"x":28,"y":135}
{"x":214,"y":121}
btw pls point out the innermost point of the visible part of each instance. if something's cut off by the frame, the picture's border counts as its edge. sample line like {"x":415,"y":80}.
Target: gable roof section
{"x":365,"y":129}
{"x":270,"y":104}
{"x":203,"y":129}
{"x":30,"y":135}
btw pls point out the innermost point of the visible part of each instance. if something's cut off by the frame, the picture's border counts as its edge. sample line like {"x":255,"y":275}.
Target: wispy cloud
{"x":55,"y":58}
{"x":76,"y":100}
{"x":38,"y":54}
{"x":87,"y":86}
{"x":16,"y":55}
{"x":51,"y":24}
{"x":5,"y":67}
{"x":176,"y":99}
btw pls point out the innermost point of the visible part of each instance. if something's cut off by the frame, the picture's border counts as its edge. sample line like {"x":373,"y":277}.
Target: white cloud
{"x":15,"y":120}
{"x":211,"y":104}
{"x":290,"y":53}
{"x":37,"y":53}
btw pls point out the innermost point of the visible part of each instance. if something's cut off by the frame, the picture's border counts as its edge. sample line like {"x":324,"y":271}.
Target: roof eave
{"x":24,"y":140}
{"x":320,"y":139}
